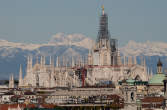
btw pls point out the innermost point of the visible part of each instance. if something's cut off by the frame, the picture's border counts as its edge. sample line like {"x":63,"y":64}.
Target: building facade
{"x":106,"y":63}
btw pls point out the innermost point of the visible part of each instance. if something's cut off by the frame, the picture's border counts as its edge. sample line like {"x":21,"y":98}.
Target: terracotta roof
{"x":6,"y":106}
{"x":153,"y":99}
{"x":150,"y":105}
{"x":48,"y":105}
{"x":114,"y":96}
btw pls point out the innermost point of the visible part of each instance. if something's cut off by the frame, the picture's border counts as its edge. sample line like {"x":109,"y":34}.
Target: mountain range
{"x":147,"y":48}
{"x":13,"y":54}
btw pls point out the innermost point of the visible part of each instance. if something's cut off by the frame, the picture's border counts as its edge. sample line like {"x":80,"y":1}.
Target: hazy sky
{"x":37,"y":20}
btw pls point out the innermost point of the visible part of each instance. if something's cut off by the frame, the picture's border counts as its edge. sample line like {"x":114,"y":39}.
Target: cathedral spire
{"x":57,"y":62}
{"x":11,"y":81}
{"x":130,"y":60}
{"x":103,"y":29}
{"x":42,"y":60}
{"x":73,"y":62}
{"x":63,"y":59}
{"x":135,"y":60}
{"x":29,"y":64}
{"x":20,"y":76}
{"x":159,"y":66}
{"x":90,"y":57}
{"x":125,"y":60}
{"x":119,"y":58}
{"x":51,"y":61}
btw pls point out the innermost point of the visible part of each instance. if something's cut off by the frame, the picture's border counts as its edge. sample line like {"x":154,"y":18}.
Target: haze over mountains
{"x":13,"y":54}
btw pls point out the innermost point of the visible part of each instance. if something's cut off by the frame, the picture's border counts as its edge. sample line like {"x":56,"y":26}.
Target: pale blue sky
{"x":35,"y":21}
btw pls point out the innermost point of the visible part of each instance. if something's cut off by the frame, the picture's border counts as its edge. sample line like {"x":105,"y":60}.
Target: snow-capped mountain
{"x":7,"y":44}
{"x":10,"y":49}
{"x":151,"y":51}
{"x":58,"y":39}
{"x":147,"y":49}
{"x":13,"y":54}
{"x":72,"y":39}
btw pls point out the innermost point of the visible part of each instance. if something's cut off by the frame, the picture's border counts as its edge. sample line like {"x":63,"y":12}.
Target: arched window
{"x":132,"y":96}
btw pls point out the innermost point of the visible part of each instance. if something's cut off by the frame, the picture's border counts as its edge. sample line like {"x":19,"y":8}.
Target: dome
{"x":159,"y":63}
{"x":157,"y":79}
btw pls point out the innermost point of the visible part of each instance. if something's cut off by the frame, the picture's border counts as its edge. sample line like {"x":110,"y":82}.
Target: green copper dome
{"x":157,"y":79}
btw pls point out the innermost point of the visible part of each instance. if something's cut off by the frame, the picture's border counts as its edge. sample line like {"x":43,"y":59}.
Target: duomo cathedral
{"x":104,"y":64}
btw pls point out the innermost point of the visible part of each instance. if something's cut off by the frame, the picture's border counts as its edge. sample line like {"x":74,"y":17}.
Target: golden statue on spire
{"x":103,"y":9}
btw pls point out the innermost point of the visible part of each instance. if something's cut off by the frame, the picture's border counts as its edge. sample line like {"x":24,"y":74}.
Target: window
{"x":132,"y":96}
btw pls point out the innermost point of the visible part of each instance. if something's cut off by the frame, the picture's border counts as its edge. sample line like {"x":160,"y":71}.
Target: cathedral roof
{"x":157,"y":79}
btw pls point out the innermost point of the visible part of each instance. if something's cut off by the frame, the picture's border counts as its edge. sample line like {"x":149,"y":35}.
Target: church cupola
{"x":159,"y":66}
